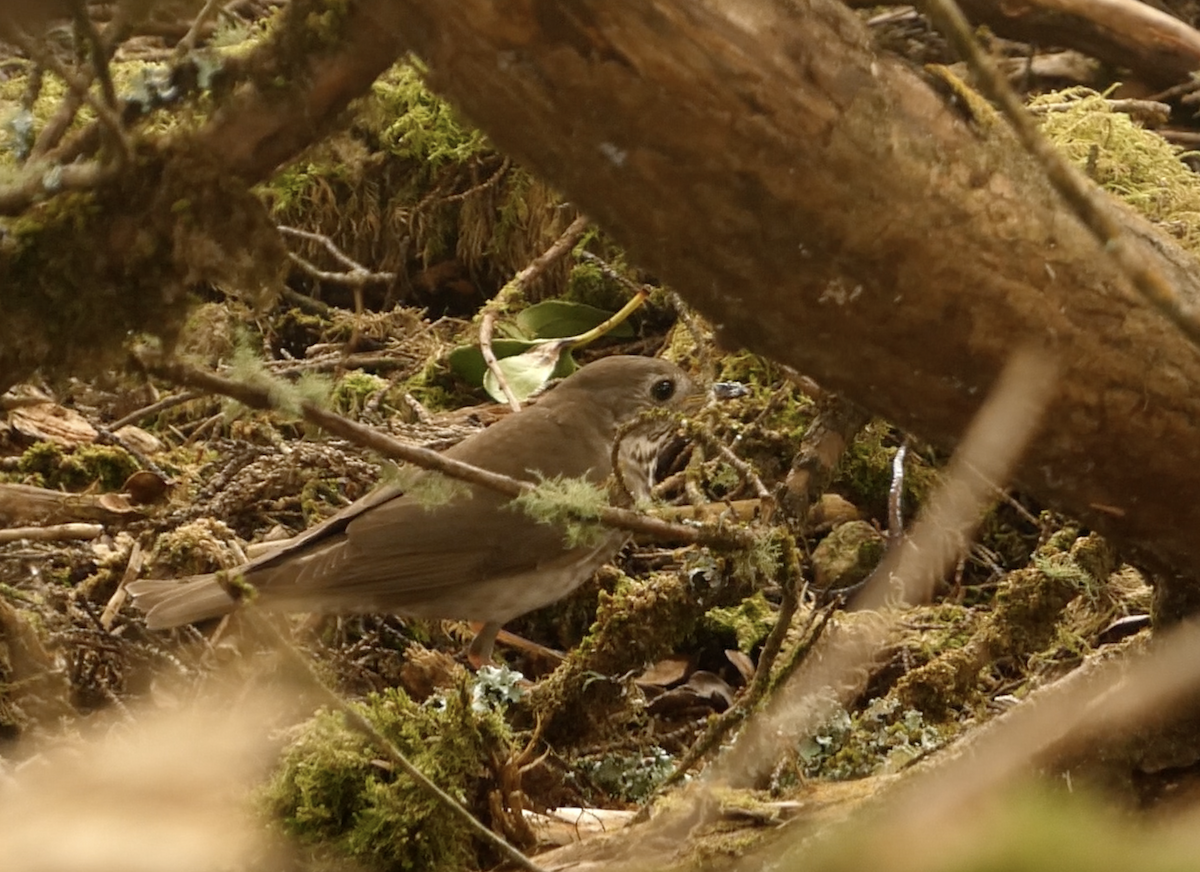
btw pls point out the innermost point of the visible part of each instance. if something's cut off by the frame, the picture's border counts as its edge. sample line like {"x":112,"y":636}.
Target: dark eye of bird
{"x":663,"y":390}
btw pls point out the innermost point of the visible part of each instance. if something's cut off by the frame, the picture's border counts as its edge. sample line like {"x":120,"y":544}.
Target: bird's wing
{"x":389,"y":551}
{"x":400,"y":552}
{"x":328,"y":530}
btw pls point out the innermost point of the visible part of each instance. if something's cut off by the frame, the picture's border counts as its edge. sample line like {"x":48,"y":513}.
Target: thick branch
{"x":824,"y":206}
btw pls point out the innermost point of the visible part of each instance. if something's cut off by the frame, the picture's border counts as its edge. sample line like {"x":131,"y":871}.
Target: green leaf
{"x":555,"y":319}
{"x":467,"y":361}
{"x":528,"y":372}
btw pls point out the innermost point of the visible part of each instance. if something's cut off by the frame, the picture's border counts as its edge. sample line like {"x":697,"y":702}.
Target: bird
{"x":475,"y":557}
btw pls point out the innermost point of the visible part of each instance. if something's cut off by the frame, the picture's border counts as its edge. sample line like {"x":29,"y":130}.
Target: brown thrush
{"x":474,"y":557}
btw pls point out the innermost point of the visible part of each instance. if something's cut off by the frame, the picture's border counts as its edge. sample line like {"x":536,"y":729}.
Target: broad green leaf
{"x":467,"y":360}
{"x":555,"y":319}
{"x":529,"y":371}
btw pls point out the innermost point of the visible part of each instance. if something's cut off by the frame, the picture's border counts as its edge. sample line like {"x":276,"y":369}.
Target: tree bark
{"x":824,"y":206}
{"x":82,"y":269}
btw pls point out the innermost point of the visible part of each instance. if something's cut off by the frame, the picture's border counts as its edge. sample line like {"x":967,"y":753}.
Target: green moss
{"x":316,"y":497}
{"x":420,"y":125}
{"x":749,"y":622}
{"x":847,"y":555}
{"x":864,"y":475}
{"x":332,"y":791}
{"x":1138,"y":166}
{"x":193,"y":548}
{"x":354,"y":389}
{"x":52,"y":466}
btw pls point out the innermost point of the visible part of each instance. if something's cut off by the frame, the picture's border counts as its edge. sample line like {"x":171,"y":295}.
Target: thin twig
{"x":517,"y":285}
{"x":262,"y":397}
{"x":691,"y":322}
{"x":741,"y":467}
{"x":133,"y":568}
{"x":56,"y":533}
{"x":188,"y":42}
{"x":556,"y":251}
{"x":105,"y":436}
{"x":490,"y":181}
{"x":87,"y":27}
{"x":486,"y":325}
{"x":514,"y":289}
{"x":81,"y":87}
{"x":355,"y":278}
{"x":154,"y":409}
{"x":357,"y":274}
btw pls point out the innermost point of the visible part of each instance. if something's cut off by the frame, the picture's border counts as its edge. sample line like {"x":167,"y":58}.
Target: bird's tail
{"x":170,"y":603}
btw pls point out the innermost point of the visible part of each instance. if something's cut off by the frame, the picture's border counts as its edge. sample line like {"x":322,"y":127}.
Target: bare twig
{"x":1150,"y":113}
{"x":85,"y":26}
{"x":188,"y":42}
{"x":514,"y":289}
{"x":133,"y":568}
{"x":766,"y":499}
{"x":106,"y":436}
{"x":556,"y":251}
{"x":490,"y":182}
{"x":517,"y":285}
{"x":154,"y":408}
{"x":56,"y":533}
{"x":486,"y":325}
{"x":691,"y":321}
{"x":261,"y":397}
{"x":357,"y":275}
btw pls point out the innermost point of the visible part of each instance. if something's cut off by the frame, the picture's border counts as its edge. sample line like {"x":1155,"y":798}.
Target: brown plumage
{"x":475,"y":557}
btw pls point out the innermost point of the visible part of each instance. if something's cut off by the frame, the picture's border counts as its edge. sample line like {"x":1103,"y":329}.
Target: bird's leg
{"x":480,"y":651}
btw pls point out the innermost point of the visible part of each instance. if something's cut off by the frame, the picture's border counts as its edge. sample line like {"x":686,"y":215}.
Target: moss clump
{"x":352,"y":392}
{"x":421,"y":126}
{"x":1135,"y":165}
{"x":749,"y":622}
{"x":193,"y":548}
{"x":50,"y":465}
{"x":333,"y":792}
{"x":847,"y":555}
{"x":1026,"y":620}
{"x":80,"y":271}
{"x":864,"y":475}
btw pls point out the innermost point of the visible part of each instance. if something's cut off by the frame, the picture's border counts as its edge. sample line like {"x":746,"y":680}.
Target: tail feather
{"x":175,"y":603}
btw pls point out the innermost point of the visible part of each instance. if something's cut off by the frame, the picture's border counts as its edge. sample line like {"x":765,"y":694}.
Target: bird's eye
{"x":663,"y":390}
